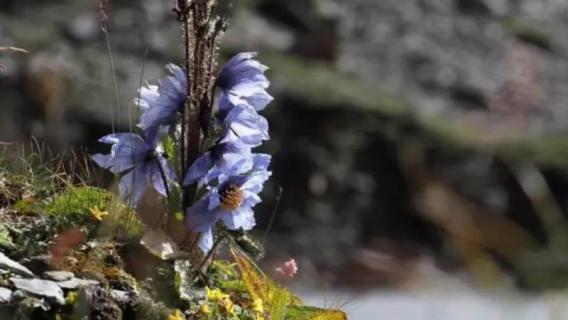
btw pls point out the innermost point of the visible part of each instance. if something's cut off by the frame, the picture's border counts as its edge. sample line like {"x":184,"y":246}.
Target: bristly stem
{"x":202,"y":31}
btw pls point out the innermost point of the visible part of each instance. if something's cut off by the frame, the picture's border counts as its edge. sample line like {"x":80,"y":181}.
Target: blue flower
{"x":141,"y":161}
{"x":223,"y":158}
{"x":242,"y":126}
{"x":160,"y":104}
{"x":242,"y":81}
{"x":231,"y":202}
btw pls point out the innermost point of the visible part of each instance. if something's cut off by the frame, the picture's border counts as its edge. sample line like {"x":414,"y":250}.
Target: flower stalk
{"x":218,"y":175}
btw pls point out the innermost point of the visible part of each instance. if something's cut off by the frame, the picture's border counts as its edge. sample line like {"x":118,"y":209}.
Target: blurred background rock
{"x":412,"y":140}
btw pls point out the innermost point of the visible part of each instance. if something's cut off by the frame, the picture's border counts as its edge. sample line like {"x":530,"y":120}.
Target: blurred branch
{"x":14,"y":49}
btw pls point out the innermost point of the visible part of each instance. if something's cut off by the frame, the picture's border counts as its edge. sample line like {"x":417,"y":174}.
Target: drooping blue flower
{"x":242,"y":126}
{"x":140,"y":160}
{"x":242,"y":81}
{"x":160,"y":104}
{"x":231,"y":202}
{"x":223,"y":158}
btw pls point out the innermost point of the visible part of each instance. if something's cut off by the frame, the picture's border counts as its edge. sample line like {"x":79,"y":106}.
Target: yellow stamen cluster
{"x":231,"y":197}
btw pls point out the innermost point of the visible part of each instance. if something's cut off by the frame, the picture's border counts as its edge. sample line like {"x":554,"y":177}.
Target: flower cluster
{"x":229,"y":171}
{"x":229,"y":175}
{"x":139,"y":158}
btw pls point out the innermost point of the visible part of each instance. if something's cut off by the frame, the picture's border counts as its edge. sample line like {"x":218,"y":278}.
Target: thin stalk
{"x":212,"y":251}
{"x":167,"y":188}
{"x":114,"y":80}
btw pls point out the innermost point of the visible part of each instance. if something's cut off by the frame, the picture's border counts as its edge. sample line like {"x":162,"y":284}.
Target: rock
{"x":120,"y":296}
{"x":76,"y":283}
{"x":59,"y":276}
{"x":13,"y":266}
{"x":42,"y":288}
{"x":184,"y":286}
{"x":5,"y":295}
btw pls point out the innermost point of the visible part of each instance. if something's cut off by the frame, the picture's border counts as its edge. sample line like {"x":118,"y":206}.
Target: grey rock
{"x":59,"y":275}
{"x":5,"y":295}
{"x":120,"y":296}
{"x":76,"y":283}
{"x":13,"y":266}
{"x":42,"y":288}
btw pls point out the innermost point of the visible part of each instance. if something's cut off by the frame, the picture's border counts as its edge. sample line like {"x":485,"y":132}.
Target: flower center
{"x":231,"y":197}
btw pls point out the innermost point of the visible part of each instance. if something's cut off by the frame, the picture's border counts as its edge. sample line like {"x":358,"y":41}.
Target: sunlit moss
{"x":78,"y":200}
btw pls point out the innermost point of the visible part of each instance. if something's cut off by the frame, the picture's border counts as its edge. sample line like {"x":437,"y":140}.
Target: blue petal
{"x":148,"y":96}
{"x":157,"y":178}
{"x":214,"y":199}
{"x":103,"y":161}
{"x":199,"y":217}
{"x":259,"y":100}
{"x":241,"y":218}
{"x":133,"y":185}
{"x":161,"y":107}
{"x":250,"y":199}
{"x":242,"y":68}
{"x":199,"y":169}
{"x":244,"y":127}
{"x":206,"y":241}
{"x":261,"y":161}
{"x":242,"y":81}
{"x":128,"y":149}
{"x":230,"y":159}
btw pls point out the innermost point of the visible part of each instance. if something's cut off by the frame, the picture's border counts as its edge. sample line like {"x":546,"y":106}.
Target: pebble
{"x":43,"y":288}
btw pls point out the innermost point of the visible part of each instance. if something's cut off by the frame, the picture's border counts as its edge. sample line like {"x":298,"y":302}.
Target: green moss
{"x":78,"y":200}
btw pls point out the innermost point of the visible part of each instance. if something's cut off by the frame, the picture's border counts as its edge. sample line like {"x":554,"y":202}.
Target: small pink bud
{"x":289,"y":269}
